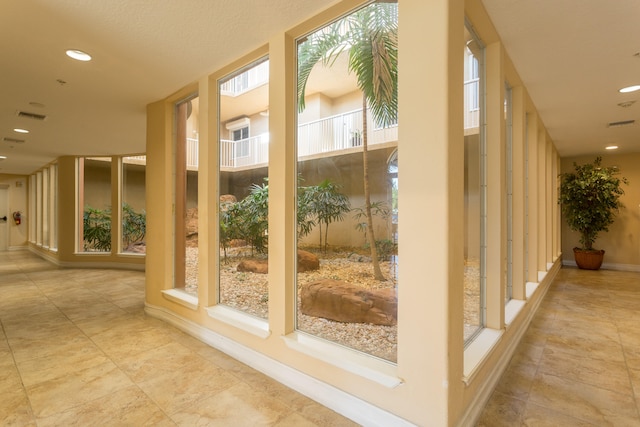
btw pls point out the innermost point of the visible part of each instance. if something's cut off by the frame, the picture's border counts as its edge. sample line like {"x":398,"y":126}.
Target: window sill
{"x":181,"y":297}
{"x":131,"y":254}
{"x":369,"y":367}
{"x":476,"y":352}
{"x":511,"y":310}
{"x":246,"y":322}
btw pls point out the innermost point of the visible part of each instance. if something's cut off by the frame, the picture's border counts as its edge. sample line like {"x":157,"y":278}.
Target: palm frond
{"x":322,"y":47}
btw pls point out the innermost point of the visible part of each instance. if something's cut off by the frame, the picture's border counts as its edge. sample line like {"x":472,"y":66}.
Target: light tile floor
{"x":77,"y":349}
{"x":579,"y":362}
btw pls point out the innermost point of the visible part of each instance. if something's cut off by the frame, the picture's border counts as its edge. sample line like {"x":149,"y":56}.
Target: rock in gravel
{"x":254,"y":266}
{"x":343,"y":302}
{"x":306,"y":262}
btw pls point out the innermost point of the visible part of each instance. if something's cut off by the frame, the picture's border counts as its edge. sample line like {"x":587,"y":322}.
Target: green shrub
{"x":96,"y":227}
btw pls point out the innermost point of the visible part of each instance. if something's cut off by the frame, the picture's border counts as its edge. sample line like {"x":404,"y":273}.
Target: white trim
{"x":377,"y":370}
{"x":350,"y":406}
{"x":181,"y":297}
{"x":511,"y":310}
{"x":478,"y":350}
{"x":530,"y":288}
{"x":246,"y":322}
{"x":541,"y":275}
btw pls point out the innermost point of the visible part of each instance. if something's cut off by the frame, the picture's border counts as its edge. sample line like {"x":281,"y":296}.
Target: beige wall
{"x":17,"y":192}
{"x":440,"y":382}
{"x":622,"y":242}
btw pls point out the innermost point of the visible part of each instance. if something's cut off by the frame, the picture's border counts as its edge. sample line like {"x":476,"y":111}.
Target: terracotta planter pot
{"x":588,"y":260}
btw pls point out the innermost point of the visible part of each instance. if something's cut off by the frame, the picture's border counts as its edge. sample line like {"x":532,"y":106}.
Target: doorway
{"x":4,"y":218}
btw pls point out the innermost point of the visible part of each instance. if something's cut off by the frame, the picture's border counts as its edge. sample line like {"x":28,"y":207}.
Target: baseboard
{"x":49,"y":256}
{"x":608,"y":266}
{"x":355,"y":409}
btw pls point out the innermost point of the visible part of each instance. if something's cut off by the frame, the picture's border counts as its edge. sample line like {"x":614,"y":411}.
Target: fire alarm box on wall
{"x":17,"y":217}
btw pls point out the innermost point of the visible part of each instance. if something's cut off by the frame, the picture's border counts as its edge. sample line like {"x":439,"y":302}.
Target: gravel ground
{"x":248,"y":292}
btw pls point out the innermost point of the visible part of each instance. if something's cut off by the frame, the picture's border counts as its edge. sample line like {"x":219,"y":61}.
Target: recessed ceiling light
{"x":629,"y":89}
{"x":3,"y":157}
{"x":20,"y":130}
{"x":78,"y":54}
{"x":611,"y":147}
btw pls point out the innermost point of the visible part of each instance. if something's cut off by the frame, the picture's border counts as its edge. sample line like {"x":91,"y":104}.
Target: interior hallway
{"x":77,"y":349}
{"x":579,"y":362}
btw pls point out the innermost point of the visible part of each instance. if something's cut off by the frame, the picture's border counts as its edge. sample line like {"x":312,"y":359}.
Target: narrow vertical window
{"x":53,"y":206}
{"x":244,"y":189}
{"x":134,"y":216}
{"x":45,"y":208}
{"x":39,"y":208}
{"x":186,"y":196}
{"x":94,"y":201}
{"x":347,"y":204}
{"x":32,"y":208}
{"x":509,"y":181}
{"x":474,"y":188}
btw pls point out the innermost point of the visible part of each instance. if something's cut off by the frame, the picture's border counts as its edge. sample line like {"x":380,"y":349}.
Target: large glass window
{"x":94,"y":201}
{"x":134,"y":217}
{"x":243,"y":189}
{"x":53,"y":206}
{"x":186,"y":196}
{"x":474,"y":188}
{"x":45,"y":208}
{"x":32,"y":208}
{"x":39,"y":208}
{"x":347,"y":205}
{"x":509,"y":178}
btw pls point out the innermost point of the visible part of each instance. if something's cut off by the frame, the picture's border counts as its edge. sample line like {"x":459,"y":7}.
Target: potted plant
{"x":589,"y":197}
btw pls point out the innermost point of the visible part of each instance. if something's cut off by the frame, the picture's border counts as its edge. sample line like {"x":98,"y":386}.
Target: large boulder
{"x":254,"y":266}
{"x":306,"y":262}
{"x":344,"y":302}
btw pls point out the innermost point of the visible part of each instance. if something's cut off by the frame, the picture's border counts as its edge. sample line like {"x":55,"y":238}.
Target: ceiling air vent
{"x":13,"y":140}
{"x":622,"y":123}
{"x":33,"y":116}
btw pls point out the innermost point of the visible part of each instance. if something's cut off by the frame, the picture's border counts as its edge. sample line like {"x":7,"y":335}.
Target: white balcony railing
{"x":471,"y":104}
{"x":324,"y":136}
{"x":244,"y":82}
{"x":245,"y":152}
{"x":340,"y":132}
{"x":331,"y":134}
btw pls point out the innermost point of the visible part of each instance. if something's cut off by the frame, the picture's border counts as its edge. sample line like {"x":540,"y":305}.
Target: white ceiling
{"x":572,"y":55}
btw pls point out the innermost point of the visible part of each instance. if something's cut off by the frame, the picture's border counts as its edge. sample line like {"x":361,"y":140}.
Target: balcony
{"x":471,"y":106}
{"x":324,"y":137}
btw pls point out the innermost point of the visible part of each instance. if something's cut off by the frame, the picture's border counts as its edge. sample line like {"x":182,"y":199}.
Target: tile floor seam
{"x":15,"y":365}
{"x":626,"y":364}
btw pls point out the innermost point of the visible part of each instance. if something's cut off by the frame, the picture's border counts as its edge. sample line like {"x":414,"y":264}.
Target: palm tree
{"x":370,"y":37}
